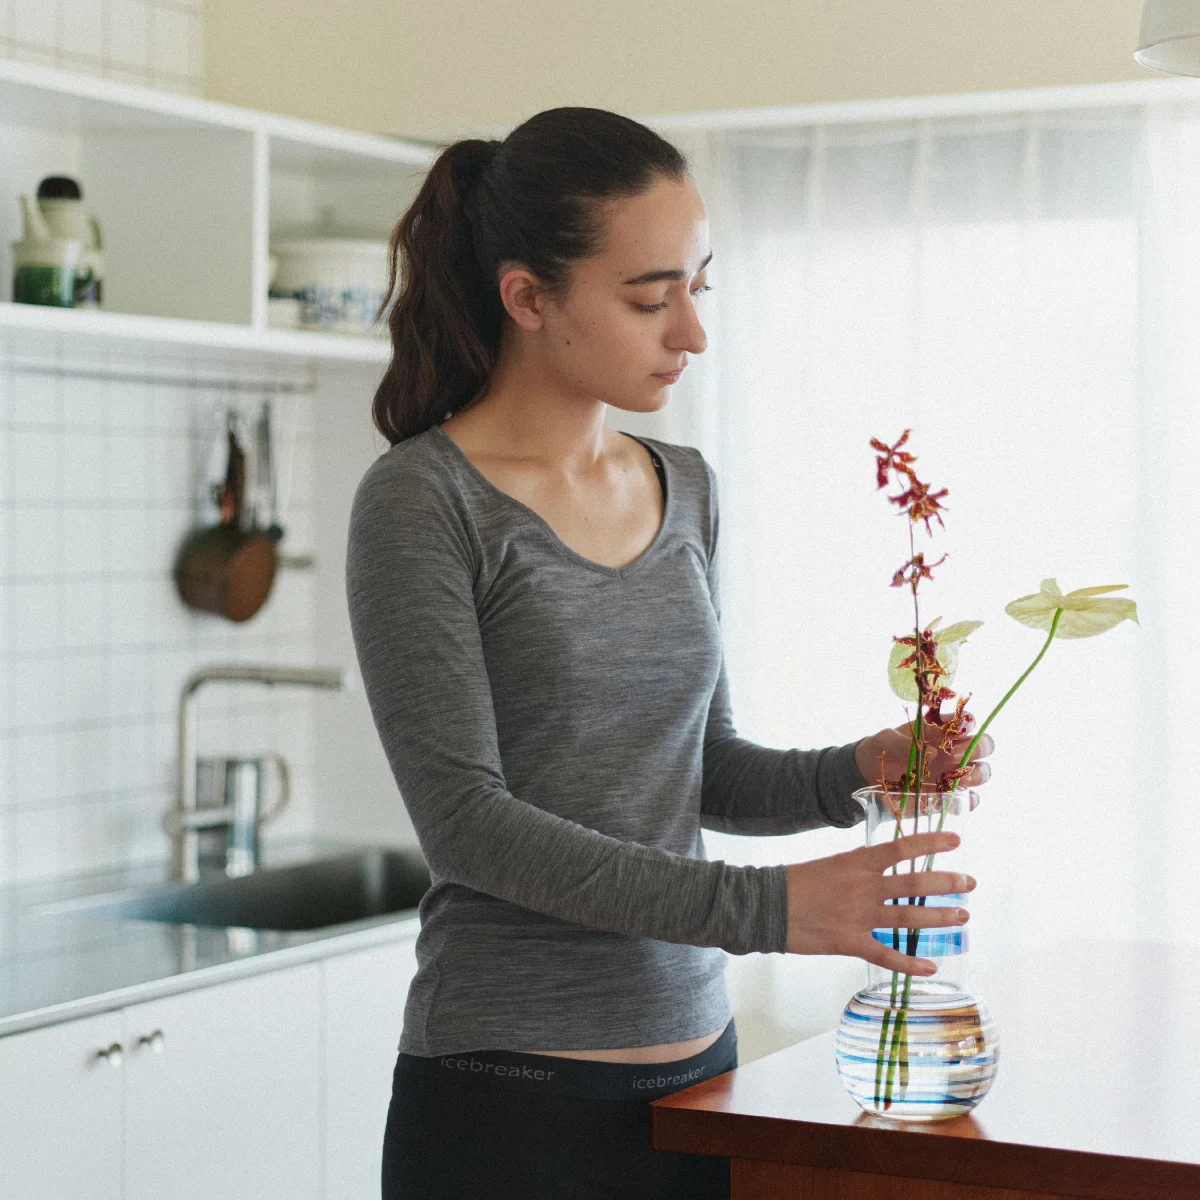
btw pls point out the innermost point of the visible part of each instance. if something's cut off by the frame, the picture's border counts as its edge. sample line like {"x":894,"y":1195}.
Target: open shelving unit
{"x":40,"y":327}
{"x":189,"y":193}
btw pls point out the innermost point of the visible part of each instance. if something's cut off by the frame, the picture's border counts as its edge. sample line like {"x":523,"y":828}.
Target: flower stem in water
{"x":879,"y":1058}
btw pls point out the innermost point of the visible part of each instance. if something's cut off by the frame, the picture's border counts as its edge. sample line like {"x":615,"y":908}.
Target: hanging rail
{"x":208,"y":383}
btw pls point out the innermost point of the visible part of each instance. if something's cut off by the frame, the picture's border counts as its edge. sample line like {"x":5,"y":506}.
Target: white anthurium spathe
{"x":1085,"y":612}
{"x":903,"y":680}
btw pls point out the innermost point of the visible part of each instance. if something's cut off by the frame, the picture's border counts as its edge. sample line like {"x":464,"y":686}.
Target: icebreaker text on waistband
{"x":473,"y":1064}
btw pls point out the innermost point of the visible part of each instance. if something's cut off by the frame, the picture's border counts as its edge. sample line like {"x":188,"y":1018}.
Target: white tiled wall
{"x":154,"y":42}
{"x":97,"y":487}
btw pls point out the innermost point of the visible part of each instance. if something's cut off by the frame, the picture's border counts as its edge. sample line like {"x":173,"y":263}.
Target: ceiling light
{"x":1170,"y":37}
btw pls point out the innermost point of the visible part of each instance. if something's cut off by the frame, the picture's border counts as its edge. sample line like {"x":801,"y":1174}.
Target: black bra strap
{"x":662,"y":474}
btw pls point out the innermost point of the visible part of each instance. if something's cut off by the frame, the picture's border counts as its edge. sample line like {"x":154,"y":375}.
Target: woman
{"x":534,"y":601}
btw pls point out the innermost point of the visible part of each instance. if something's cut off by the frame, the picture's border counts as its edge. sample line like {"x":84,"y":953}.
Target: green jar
{"x":42,"y":284}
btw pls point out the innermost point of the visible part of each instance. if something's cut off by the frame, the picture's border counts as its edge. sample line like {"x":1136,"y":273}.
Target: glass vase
{"x":919,"y":1048}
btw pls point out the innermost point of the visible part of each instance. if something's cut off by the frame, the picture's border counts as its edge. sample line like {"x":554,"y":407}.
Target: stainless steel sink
{"x":309,"y":895}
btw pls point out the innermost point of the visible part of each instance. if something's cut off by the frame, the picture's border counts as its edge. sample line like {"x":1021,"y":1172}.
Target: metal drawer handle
{"x":112,"y":1055}
{"x":153,"y":1041}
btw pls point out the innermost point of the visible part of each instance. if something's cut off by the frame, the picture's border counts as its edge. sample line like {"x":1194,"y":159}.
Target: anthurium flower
{"x":1086,"y":612}
{"x":903,"y":678}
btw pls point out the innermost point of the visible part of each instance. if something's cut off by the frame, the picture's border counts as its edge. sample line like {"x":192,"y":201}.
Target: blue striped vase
{"x":919,"y":1048}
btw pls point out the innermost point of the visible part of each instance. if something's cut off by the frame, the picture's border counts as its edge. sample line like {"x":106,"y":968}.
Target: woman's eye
{"x":706,"y":287}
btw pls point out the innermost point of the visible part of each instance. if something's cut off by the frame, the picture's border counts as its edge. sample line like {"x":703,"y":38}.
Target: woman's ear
{"x":522,"y":296}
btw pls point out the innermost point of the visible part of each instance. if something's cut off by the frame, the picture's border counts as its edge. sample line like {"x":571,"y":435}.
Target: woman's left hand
{"x":892,"y":745}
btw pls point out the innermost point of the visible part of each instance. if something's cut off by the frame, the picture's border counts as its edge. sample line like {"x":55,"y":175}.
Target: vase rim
{"x":867,"y":795}
{"x":874,"y":789}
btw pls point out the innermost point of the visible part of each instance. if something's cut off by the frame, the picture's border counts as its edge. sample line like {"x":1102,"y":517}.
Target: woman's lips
{"x":671,"y":378}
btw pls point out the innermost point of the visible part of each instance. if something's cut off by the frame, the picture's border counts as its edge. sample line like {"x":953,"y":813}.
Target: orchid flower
{"x":902,"y":664}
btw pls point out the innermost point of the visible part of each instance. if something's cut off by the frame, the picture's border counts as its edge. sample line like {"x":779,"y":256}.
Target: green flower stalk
{"x":1085,"y":612}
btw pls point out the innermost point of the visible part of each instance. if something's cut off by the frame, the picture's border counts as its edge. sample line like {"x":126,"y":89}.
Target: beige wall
{"x":447,"y":67}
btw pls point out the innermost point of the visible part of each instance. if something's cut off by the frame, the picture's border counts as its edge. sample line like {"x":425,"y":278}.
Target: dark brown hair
{"x":537,"y":198}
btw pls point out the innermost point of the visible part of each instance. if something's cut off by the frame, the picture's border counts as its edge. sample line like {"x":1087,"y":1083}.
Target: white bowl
{"x":339,"y":282}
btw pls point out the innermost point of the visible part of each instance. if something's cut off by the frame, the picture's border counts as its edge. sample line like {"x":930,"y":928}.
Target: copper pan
{"x":223,"y":568}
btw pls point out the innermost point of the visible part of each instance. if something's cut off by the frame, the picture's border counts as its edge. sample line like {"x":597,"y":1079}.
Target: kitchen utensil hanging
{"x":264,"y":469}
{"x":267,"y":488}
{"x":227,"y":568}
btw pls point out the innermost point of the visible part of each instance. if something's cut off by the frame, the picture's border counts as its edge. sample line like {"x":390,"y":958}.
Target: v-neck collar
{"x":556,"y":541}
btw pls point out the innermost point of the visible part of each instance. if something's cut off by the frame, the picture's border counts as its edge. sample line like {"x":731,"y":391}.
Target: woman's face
{"x":630,"y":316}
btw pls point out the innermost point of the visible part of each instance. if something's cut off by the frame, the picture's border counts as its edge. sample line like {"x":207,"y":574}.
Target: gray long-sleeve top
{"x":559,"y":731}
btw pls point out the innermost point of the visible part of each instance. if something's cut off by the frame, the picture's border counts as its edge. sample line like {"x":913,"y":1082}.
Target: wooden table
{"x":1097,"y":1095}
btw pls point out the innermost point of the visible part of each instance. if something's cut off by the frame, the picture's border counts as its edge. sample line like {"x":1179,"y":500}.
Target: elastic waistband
{"x":580,"y":1077}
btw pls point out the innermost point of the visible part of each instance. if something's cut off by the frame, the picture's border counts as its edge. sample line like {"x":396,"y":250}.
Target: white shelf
{"x":190,"y":193}
{"x":45,"y":332}
{"x":66,"y":102}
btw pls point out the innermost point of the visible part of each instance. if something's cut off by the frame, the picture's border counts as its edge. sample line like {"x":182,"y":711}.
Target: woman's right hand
{"x":835,"y":902}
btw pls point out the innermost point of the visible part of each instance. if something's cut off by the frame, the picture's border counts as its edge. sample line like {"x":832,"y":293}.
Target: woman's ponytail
{"x":445,"y":330}
{"x":532,"y":198}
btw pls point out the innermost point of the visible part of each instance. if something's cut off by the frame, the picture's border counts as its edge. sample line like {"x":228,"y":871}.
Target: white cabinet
{"x":272,"y":1087}
{"x":60,"y":1112}
{"x":364,"y":1012}
{"x":222,"y":1091}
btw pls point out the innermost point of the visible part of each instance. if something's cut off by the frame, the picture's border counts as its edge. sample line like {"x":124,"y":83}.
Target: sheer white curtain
{"x":1024,"y":293}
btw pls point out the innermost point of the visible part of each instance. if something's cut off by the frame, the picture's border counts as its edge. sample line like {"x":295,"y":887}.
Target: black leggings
{"x":494,"y":1124}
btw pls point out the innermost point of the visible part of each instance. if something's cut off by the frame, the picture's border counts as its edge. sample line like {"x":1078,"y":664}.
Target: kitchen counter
{"x":1096,"y":1095}
{"x":59,"y":962}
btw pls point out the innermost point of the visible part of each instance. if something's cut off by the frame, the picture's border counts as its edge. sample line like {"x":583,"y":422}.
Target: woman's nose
{"x":689,"y":335}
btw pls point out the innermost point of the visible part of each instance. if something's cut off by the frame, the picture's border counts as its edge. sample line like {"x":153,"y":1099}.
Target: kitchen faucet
{"x":185,"y":820}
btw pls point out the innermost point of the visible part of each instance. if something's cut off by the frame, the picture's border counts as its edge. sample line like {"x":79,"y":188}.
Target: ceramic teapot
{"x":60,"y":202}
{"x":45,"y":267}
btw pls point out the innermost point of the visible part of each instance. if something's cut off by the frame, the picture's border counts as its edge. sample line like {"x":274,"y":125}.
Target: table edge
{"x":987,"y":1163}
